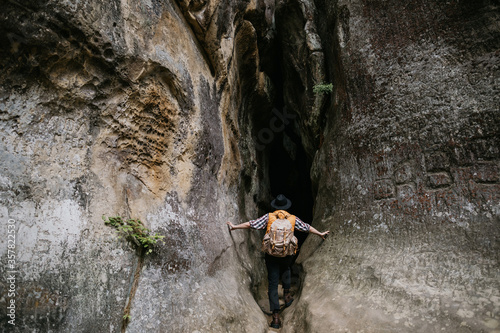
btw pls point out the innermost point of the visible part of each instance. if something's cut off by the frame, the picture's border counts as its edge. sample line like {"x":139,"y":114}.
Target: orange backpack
{"x":279,"y":240}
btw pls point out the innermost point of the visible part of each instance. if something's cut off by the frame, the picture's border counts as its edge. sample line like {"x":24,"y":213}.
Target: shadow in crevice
{"x":283,"y":159}
{"x":261,"y":295}
{"x":288,"y":168}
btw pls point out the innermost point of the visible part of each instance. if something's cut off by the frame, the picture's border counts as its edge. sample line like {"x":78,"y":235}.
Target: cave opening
{"x":278,"y":130}
{"x":288,"y":163}
{"x":289,"y":174}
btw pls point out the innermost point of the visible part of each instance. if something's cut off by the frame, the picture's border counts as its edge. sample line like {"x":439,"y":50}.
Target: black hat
{"x":281,"y":202}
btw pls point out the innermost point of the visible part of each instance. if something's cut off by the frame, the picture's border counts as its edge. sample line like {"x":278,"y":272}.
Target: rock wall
{"x":128,"y":108}
{"x":407,"y":176}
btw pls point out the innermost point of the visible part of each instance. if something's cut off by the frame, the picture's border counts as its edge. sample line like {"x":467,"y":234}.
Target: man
{"x":278,"y":266}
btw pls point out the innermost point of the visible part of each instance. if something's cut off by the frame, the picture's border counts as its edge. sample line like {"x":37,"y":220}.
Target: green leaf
{"x":323,"y":88}
{"x":133,"y":230}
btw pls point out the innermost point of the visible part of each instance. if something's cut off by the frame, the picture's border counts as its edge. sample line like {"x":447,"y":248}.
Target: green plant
{"x":323,"y":88}
{"x":127,"y":317}
{"x":135,"y":231}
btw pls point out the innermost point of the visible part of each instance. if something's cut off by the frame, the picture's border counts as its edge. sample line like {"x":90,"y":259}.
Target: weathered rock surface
{"x":407,"y":175}
{"x":124,"y":108}
{"x":169,"y":111}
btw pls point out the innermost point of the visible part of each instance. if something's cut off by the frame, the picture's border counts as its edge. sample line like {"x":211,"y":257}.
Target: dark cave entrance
{"x":278,"y":133}
{"x":288,"y":163}
{"x":289,"y":174}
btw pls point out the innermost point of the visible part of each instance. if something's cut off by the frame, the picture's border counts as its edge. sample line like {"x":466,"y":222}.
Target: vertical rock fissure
{"x":283,"y":132}
{"x":297,"y":65}
{"x":287,"y":133}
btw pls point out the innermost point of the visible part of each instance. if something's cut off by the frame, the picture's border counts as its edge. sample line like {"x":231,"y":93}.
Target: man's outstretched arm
{"x":302,"y":226}
{"x":259,"y":223}
{"x":320,"y":234}
{"x":245,"y":225}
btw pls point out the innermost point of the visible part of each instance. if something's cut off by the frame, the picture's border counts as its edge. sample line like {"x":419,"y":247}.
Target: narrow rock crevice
{"x":285,"y":137}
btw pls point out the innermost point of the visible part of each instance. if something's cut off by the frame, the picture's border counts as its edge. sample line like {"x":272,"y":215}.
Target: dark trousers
{"x":277,"y":267}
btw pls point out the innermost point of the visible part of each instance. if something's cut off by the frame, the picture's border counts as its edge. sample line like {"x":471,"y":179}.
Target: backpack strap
{"x":280,"y":214}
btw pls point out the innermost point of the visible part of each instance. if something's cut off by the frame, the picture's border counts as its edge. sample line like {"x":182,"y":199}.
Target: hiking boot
{"x":276,"y":323}
{"x":288,"y":298}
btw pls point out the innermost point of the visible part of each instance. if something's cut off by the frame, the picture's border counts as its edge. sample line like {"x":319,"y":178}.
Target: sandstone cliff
{"x":172,"y":112}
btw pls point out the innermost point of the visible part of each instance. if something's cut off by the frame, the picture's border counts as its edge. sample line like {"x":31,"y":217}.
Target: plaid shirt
{"x":261,"y":223}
